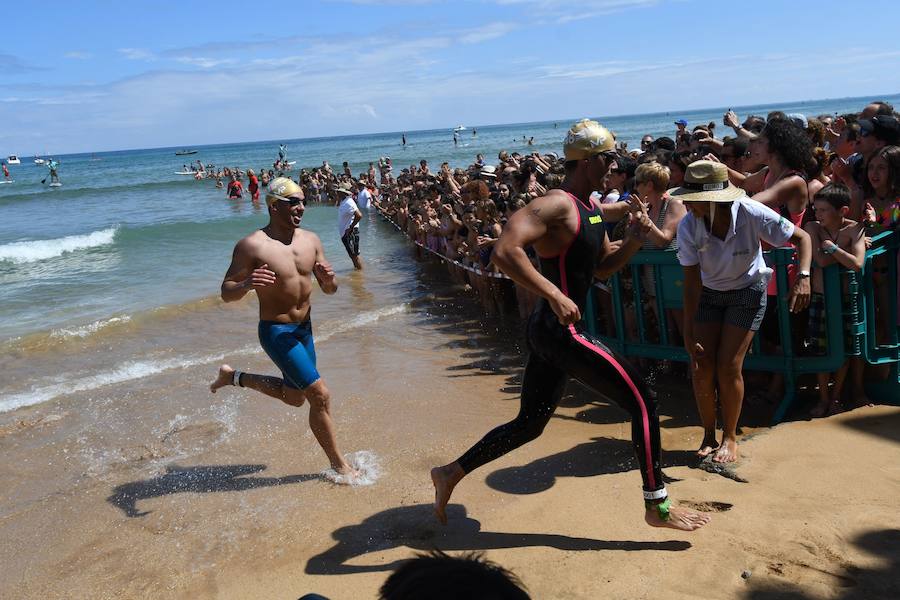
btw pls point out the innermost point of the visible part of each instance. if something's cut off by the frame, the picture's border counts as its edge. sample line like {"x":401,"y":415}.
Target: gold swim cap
{"x":587,"y":138}
{"x":280,"y":189}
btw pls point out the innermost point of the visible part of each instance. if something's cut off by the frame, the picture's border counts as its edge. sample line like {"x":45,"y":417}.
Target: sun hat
{"x":281,"y":188}
{"x":587,"y":138}
{"x":681,"y":122}
{"x":488,"y":171}
{"x":344,"y":189}
{"x":707,"y":181}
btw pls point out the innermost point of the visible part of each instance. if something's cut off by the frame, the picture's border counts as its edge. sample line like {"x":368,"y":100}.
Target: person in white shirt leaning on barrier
{"x":725,"y":280}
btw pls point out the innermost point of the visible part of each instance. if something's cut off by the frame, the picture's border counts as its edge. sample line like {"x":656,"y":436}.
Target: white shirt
{"x":363,"y":199}
{"x":346,"y":210}
{"x":737,"y":261}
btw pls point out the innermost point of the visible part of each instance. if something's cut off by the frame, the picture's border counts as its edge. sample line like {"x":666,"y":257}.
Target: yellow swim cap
{"x":587,"y":138}
{"x":280,"y":188}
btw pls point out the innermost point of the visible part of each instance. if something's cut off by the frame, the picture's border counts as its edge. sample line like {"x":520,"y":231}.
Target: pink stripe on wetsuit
{"x":559,"y":352}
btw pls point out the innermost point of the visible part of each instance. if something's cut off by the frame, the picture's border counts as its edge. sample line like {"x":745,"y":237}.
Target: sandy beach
{"x":155,"y":489}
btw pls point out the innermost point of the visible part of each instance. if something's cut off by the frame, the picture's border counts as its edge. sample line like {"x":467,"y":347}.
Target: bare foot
{"x":345,"y":475}
{"x":708,"y":444}
{"x":679,"y":518}
{"x":225,"y":377}
{"x":821,"y":408}
{"x":860,"y":399}
{"x":444,"y":479}
{"x":727,"y":452}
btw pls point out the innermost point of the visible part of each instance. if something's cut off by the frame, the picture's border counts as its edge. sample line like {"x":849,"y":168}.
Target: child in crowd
{"x":836,"y":240}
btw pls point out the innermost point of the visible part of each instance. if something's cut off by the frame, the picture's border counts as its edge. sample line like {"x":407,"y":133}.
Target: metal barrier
{"x":863,"y":290}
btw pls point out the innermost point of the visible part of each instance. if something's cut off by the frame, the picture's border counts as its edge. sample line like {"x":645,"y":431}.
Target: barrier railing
{"x":876,"y":283}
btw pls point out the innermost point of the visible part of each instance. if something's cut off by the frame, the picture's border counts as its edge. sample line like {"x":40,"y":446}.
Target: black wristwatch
{"x":802,"y":274}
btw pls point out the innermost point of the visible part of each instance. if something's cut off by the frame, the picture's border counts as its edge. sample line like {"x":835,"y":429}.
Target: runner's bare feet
{"x":727,"y":452}
{"x":679,"y":518}
{"x":345,"y":475}
{"x":226,"y":374}
{"x":444,"y":479}
{"x":708,"y":444}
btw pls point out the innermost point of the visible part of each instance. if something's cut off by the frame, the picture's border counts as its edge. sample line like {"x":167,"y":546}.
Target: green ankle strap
{"x":662,"y":509}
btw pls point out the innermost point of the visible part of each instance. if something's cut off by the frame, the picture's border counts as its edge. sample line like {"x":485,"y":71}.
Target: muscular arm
{"x":241,"y":277}
{"x":525,"y":227}
{"x":323,"y":271}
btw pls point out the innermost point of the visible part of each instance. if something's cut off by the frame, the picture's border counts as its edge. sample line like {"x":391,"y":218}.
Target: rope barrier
{"x":476,"y":270}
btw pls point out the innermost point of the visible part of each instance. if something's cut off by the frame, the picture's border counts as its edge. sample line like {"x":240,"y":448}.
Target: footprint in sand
{"x":194,"y":434}
{"x":707,"y":505}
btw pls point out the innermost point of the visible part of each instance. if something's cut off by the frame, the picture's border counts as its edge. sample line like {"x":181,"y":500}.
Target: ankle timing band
{"x":662,"y":509}
{"x":236,"y":378}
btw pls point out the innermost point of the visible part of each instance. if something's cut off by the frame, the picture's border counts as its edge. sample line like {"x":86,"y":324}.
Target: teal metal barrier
{"x":858,"y":311}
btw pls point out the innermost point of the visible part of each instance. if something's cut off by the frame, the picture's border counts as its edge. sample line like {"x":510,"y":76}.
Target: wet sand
{"x":153,"y":488}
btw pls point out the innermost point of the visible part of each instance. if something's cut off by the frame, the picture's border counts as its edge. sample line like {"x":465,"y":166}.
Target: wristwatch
{"x":802,"y":274}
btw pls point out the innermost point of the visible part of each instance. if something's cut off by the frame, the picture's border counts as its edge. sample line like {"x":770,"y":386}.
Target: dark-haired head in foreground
{"x":439,"y":576}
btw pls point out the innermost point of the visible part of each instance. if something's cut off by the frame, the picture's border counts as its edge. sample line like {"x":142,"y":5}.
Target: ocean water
{"x":125,"y":242}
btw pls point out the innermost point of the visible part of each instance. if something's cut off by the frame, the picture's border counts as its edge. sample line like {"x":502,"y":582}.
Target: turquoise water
{"x":124,"y":234}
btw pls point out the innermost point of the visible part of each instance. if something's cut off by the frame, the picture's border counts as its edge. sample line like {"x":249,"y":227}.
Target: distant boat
{"x":39,"y":161}
{"x":459,"y":128}
{"x":185,"y":152}
{"x":12,"y":159}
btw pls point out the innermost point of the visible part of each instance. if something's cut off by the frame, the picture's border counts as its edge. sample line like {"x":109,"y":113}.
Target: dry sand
{"x":219,"y":497}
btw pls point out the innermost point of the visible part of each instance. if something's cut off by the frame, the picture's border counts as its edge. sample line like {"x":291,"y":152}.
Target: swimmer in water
{"x":566,"y":229}
{"x":279,"y":262}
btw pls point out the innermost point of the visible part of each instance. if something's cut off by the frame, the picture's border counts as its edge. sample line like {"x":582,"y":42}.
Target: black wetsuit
{"x":558,"y":352}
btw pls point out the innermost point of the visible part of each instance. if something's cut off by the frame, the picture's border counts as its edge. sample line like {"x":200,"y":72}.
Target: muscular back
{"x":287,"y":299}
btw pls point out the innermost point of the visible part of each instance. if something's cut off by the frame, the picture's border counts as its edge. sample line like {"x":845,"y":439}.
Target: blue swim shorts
{"x":290,"y":346}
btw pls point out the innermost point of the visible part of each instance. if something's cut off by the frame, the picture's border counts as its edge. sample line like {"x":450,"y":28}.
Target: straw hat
{"x":587,"y":138}
{"x":707,"y":181}
{"x":344,"y":189}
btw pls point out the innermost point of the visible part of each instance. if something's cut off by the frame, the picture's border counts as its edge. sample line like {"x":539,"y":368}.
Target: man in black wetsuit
{"x":566,"y":230}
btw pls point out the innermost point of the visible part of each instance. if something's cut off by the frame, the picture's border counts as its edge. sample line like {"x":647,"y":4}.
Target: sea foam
{"x":137,"y":369}
{"x":86,"y":330}
{"x":367,"y":467}
{"x":36,"y":250}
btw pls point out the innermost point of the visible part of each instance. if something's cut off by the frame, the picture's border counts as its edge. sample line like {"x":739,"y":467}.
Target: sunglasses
{"x":291,"y":201}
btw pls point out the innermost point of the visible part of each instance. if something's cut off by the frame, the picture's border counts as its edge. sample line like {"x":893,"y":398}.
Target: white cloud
{"x":78,"y":55}
{"x":204,"y":62}
{"x":137,"y":54}
{"x":343,"y":85}
{"x":487,"y":32}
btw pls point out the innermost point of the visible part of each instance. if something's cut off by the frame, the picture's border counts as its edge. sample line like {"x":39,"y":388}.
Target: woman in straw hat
{"x":725,"y":279}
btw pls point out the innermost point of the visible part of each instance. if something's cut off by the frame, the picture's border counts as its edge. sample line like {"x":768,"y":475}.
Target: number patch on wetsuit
{"x":595,"y":219}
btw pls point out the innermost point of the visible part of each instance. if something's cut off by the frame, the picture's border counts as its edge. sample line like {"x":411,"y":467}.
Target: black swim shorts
{"x":351,"y":242}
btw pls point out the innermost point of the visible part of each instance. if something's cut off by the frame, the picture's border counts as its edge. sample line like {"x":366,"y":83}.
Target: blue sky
{"x":94,"y":76}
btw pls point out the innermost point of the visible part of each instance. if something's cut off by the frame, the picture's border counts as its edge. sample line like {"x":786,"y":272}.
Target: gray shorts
{"x":743,"y":308}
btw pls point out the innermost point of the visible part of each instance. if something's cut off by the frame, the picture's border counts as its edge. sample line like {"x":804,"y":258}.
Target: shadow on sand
{"x":415,"y":527}
{"x":201,"y":479}
{"x":600,"y":456}
{"x":848,"y":582}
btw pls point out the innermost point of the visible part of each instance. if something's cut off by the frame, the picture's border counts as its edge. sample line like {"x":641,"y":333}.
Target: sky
{"x":96,"y":76}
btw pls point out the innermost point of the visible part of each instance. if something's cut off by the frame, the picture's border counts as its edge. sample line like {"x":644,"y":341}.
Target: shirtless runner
{"x":566,"y":229}
{"x":277,"y":262}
